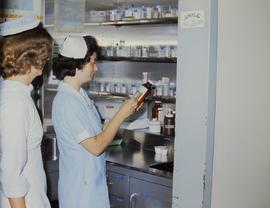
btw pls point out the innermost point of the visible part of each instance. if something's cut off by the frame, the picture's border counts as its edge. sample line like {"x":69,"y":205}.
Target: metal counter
{"x":137,"y":159}
{"x":136,"y":152}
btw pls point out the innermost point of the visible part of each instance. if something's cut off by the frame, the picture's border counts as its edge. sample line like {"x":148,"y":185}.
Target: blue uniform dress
{"x":82,"y":175}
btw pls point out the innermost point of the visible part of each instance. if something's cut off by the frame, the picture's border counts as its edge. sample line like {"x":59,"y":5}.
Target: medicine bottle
{"x":161,"y":118}
{"x":143,"y":91}
{"x":155,"y":109}
{"x":169,"y":124}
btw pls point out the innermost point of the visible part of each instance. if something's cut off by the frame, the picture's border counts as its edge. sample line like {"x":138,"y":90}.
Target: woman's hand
{"x":127,"y":108}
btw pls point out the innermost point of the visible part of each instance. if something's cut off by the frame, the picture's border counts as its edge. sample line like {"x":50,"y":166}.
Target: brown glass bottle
{"x":144,"y":90}
{"x":169,"y":124}
{"x":155,"y":109}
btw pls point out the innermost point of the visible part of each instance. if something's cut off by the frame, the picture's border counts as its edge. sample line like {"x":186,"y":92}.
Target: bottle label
{"x":141,"y":91}
{"x":160,"y":115}
{"x":169,"y":126}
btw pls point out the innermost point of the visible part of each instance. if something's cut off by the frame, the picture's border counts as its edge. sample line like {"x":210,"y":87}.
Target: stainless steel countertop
{"x":128,"y":157}
{"x":136,"y":152}
{"x":137,"y":159}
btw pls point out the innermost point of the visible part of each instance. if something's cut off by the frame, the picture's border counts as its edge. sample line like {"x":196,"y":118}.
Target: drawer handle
{"x":131,"y":199}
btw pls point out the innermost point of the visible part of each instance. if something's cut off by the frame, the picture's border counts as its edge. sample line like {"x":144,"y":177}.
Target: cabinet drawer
{"x":150,"y":190}
{"x":118,"y":201}
{"x":117,"y":183}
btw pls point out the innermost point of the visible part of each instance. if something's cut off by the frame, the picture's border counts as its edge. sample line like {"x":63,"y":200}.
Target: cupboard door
{"x":117,"y":183}
{"x":142,"y":201}
{"x":118,"y":201}
{"x":147,"y":194}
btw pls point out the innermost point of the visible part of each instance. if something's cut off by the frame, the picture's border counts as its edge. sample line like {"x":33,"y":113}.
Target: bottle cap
{"x":145,"y":77}
{"x":169,"y":114}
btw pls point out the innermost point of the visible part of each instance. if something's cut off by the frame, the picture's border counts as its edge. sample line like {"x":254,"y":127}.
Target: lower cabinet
{"x":128,"y":188}
{"x":118,"y":189}
{"x":118,"y":201}
{"x":150,"y":195}
{"x":134,"y":189}
{"x":139,"y":201}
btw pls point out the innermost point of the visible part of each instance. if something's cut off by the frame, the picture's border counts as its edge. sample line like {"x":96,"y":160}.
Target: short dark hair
{"x":64,"y":66}
{"x":20,"y":51}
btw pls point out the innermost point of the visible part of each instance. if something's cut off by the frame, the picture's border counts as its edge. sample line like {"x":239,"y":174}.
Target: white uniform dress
{"x":82,"y":175}
{"x":21,"y":167}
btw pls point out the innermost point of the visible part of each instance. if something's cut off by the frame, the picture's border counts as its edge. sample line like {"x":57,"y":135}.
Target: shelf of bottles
{"x":122,"y":96}
{"x":167,"y":20}
{"x":132,"y":15}
{"x":140,"y":59}
{"x":139,"y":53}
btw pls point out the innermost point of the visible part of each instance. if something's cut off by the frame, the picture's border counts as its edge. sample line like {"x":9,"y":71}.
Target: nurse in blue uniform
{"x":25,"y":47}
{"x":80,"y":136}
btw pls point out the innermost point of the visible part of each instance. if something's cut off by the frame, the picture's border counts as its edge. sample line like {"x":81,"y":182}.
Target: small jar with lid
{"x":157,"y":105}
{"x":123,"y":88}
{"x":169,"y":124}
{"x":154,"y":126}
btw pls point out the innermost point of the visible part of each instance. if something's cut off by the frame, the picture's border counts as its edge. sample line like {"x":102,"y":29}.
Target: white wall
{"x":241,"y":175}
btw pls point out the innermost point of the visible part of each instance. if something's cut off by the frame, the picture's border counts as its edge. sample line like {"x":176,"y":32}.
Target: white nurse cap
{"x":19,"y":25}
{"x":74,"y":47}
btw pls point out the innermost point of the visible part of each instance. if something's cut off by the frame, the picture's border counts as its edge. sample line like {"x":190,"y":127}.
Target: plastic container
{"x":145,"y":77}
{"x":107,"y":87}
{"x":133,"y":89}
{"x":124,"y":88}
{"x":154,"y":126}
{"x":163,"y":150}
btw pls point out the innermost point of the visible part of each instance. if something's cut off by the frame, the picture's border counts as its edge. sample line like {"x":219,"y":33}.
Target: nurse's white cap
{"x":19,"y":25}
{"x":74,"y":47}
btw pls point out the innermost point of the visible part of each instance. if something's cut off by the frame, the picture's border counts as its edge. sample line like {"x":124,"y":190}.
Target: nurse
{"x":81,"y":139}
{"x":24,"y":49}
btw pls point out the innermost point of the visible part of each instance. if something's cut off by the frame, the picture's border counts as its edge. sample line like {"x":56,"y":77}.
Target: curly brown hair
{"x":21,"y":51}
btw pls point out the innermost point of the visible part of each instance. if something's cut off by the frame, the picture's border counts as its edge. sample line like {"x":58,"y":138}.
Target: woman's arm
{"x":96,"y":145}
{"x":14,"y":125}
{"x":17,"y":202}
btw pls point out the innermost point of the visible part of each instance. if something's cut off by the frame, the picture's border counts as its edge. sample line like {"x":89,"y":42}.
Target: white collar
{"x":16,"y":85}
{"x":66,"y":87}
